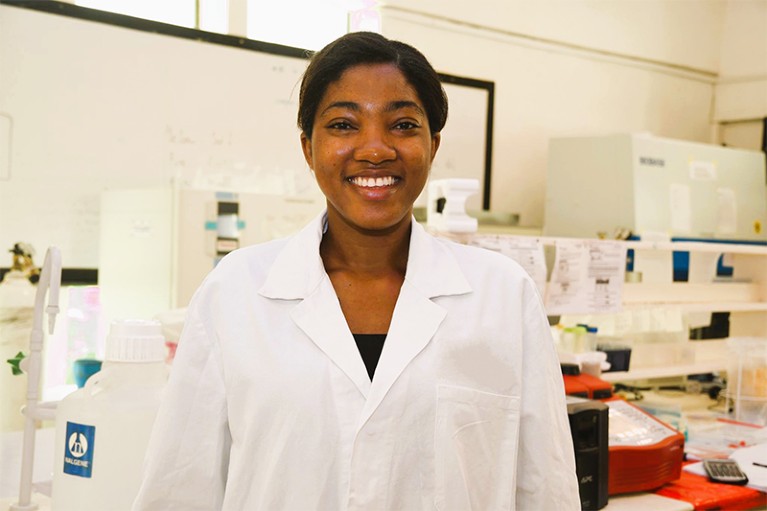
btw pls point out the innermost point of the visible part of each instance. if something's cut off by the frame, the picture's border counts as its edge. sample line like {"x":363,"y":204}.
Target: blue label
{"x":78,"y":449}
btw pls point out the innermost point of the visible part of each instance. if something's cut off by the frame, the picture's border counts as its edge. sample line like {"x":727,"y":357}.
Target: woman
{"x":277,"y":398}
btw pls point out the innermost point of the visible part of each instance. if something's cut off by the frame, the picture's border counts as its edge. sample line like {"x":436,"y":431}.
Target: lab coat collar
{"x":298,"y":270}
{"x":298,"y":274}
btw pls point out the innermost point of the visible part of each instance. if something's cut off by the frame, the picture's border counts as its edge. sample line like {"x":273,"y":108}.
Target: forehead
{"x":371,"y":83}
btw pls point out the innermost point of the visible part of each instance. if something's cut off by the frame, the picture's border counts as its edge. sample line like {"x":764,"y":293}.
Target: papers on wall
{"x":587,"y":277}
{"x":526,"y":251}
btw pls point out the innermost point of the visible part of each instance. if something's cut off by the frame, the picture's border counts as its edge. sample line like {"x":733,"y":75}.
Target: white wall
{"x":741,"y":92}
{"x":681,"y":32}
{"x":617,"y":66}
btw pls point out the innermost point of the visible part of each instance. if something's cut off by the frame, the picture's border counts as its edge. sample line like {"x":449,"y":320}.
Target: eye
{"x":340,"y":125}
{"x":406,"y":125}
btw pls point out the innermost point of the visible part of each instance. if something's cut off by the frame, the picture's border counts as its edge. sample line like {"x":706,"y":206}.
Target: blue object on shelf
{"x":83,"y":369}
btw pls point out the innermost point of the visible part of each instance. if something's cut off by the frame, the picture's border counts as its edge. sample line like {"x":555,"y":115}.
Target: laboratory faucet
{"x":50,"y":282}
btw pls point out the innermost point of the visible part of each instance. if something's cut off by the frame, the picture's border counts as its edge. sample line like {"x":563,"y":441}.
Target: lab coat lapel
{"x":321,"y":318}
{"x":415,"y":320}
{"x":298,"y":274}
{"x":432,"y":271}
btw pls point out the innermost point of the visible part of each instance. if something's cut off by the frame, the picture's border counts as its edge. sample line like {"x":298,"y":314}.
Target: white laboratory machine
{"x":446,"y":210}
{"x":650,"y":186}
{"x":158,"y":244}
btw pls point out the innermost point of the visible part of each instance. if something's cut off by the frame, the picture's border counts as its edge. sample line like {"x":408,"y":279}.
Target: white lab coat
{"x":269,"y":405}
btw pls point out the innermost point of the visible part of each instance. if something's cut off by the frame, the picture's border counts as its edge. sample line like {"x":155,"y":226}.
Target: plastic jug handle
{"x":95,"y":379}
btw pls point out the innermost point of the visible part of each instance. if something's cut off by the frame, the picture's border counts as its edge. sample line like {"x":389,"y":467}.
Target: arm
{"x":186,"y":463}
{"x":546,"y":461}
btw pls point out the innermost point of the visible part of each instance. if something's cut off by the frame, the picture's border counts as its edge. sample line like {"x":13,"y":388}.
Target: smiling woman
{"x":362,"y":363}
{"x":371,"y":129}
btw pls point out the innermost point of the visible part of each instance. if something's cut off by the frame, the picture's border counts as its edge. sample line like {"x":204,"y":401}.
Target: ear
{"x":306,"y":147}
{"x":435,"y":140}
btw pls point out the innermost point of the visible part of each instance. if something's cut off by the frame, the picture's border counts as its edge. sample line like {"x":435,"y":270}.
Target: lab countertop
{"x":645,"y":501}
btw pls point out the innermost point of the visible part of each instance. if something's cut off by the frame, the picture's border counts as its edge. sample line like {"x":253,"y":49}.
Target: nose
{"x":374,"y":147}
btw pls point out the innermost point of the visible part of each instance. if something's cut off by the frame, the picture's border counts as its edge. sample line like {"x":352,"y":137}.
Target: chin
{"x":382,"y":222}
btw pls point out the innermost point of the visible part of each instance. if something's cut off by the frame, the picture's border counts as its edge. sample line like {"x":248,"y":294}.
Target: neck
{"x":345,"y":247}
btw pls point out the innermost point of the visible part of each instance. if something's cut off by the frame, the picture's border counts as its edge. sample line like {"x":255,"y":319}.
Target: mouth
{"x":374,"y":182}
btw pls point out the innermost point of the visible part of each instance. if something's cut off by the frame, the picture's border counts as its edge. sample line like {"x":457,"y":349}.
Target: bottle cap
{"x":135,"y":340}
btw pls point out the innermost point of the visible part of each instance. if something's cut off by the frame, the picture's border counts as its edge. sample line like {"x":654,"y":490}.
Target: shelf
{"x":647,"y":294}
{"x":702,"y":306}
{"x":666,"y":371}
{"x":698,"y":246}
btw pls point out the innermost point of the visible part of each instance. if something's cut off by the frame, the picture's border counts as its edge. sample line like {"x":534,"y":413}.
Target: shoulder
{"x":249,"y":261}
{"x":243,"y":269}
{"x":480,"y":261}
{"x":492,"y":274}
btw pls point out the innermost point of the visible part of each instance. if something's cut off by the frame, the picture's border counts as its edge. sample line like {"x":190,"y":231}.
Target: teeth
{"x":370,"y":182}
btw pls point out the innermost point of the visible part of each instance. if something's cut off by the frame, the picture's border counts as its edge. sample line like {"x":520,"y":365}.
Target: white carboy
{"x":102,"y":430}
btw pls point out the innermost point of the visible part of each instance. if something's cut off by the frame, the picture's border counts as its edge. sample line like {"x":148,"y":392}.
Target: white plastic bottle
{"x":102,"y":430}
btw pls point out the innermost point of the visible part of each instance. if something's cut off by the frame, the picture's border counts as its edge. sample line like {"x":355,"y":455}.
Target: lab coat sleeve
{"x":546,"y":478}
{"x":186,"y":464}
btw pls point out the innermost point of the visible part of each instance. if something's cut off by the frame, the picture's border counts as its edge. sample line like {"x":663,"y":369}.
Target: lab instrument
{"x":645,"y":453}
{"x":157,"y":244}
{"x":446,"y":209}
{"x":646,"y":185}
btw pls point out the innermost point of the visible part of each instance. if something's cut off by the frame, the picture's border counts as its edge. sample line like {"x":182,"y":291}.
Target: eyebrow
{"x":391,"y":107}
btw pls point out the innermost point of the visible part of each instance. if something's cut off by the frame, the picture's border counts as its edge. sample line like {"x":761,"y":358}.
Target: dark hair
{"x":359,"y":48}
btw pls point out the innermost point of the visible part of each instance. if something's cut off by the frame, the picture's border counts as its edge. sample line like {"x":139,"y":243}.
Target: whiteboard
{"x":99,"y":101}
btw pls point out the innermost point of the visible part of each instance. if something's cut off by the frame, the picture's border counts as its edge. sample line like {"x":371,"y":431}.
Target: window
{"x":176,"y":12}
{"x":306,"y":24}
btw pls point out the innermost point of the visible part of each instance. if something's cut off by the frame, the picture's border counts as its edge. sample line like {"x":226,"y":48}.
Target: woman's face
{"x":371,"y":147}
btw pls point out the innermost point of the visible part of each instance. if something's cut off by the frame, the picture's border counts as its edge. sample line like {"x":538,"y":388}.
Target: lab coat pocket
{"x":475,"y":449}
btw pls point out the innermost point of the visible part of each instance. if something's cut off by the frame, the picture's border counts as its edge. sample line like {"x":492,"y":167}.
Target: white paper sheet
{"x":587,"y":277}
{"x":747,"y":458}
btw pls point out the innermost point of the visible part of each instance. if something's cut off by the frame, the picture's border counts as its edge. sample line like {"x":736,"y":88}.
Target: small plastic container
{"x":747,"y":379}
{"x":102,"y":430}
{"x":593,"y":362}
{"x":571,"y":339}
{"x":587,"y":341}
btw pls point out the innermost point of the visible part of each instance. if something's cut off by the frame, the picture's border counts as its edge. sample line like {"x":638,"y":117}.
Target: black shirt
{"x":370,"y":347}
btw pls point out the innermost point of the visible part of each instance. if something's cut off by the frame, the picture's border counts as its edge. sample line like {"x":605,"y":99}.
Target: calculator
{"x":724,"y":471}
